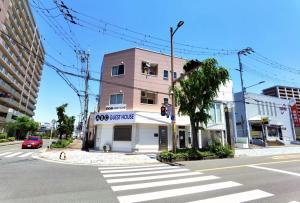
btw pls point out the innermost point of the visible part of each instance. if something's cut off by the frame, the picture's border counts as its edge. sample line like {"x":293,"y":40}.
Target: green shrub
{"x":221,"y":151}
{"x":3,"y":135}
{"x":166,"y":155}
{"x":3,"y":140}
{"x":193,"y":154}
{"x":181,"y":156}
{"x":207,"y":154}
{"x":61,"y":143}
{"x":11,"y":139}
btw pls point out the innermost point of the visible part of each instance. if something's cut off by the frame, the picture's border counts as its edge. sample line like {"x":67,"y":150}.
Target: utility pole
{"x":244,"y":52}
{"x":84,"y":58}
{"x":173,"y":119}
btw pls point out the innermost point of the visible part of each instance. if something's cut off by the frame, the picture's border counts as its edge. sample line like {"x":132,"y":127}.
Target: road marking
{"x":294,"y":202}
{"x":5,"y":153}
{"x":237,"y":197}
{"x":247,"y":165}
{"x":131,"y":167}
{"x":14,"y":154}
{"x":162,"y":183}
{"x":289,"y":156}
{"x":122,"y":180}
{"x":176,"y":192}
{"x":276,"y":170}
{"x":27,"y":154}
{"x":140,"y":169}
{"x":145,"y":173}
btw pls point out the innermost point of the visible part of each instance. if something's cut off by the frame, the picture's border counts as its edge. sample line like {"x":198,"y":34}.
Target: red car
{"x":32,"y":142}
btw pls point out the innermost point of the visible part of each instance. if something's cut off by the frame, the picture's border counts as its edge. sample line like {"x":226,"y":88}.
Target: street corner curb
{"x":60,"y":162}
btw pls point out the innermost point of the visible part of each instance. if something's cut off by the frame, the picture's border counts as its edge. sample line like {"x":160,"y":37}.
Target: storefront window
{"x":122,"y":133}
{"x":272,"y":131}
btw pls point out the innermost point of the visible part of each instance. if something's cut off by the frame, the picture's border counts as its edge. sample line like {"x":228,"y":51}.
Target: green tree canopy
{"x":21,"y":126}
{"x":195,"y":95}
{"x":65,"y":123}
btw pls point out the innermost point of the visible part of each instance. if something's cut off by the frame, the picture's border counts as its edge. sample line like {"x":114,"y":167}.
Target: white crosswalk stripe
{"x":15,"y":154}
{"x":141,"y":169}
{"x":5,"y":153}
{"x":26,"y":154}
{"x":161,"y":181}
{"x":237,"y":197}
{"x":145,"y":173}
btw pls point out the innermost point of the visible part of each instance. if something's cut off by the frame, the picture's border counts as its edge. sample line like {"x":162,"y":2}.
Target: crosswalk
{"x":18,"y":154}
{"x":164,"y":183}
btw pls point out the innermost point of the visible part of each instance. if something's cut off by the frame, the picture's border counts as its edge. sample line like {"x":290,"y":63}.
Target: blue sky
{"x":271,"y":28}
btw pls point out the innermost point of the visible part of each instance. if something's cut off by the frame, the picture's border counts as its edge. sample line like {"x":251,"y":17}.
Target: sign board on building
{"x":114,"y":117}
{"x":294,"y":111}
{"x":265,"y":120}
{"x":115,"y":107}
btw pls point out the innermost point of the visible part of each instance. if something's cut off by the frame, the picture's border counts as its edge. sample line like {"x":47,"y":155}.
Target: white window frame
{"x":164,"y":77}
{"x":116,"y":94}
{"x":111,"y":73}
{"x":155,"y":98}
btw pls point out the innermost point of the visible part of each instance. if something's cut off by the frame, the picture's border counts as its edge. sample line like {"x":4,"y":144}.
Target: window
{"x":149,"y":68}
{"x":117,"y":70}
{"x":148,"y":97}
{"x":263,"y":108}
{"x":166,"y":100}
{"x":275,"y":111}
{"x":174,"y":75}
{"x":267,"y":108}
{"x":116,"y":99}
{"x":271,"y":109}
{"x":166,"y":75}
{"x":258,"y":107}
{"x":122,"y":133}
{"x":216,"y":113}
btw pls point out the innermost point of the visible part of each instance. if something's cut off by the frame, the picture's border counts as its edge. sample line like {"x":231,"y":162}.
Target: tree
{"x":65,"y":123}
{"x":195,"y":95}
{"x":21,"y":127}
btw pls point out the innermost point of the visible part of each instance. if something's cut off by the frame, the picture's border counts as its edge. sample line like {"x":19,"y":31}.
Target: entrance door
{"x":182,"y":139}
{"x":163,"y":137}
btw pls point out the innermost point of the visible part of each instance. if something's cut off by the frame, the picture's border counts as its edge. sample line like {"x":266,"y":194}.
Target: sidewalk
{"x":10,"y":143}
{"x":78,"y":157}
{"x":267,"y":151}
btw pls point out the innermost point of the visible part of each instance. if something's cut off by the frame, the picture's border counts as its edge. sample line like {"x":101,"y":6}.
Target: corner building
{"x":134,"y":85}
{"x":20,"y":69}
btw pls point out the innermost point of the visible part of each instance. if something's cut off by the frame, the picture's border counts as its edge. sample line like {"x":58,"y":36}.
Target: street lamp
{"x":173,"y":121}
{"x":261,"y":82}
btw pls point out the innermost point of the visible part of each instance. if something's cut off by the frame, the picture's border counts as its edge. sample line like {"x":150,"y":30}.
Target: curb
{"x":9,"y":143}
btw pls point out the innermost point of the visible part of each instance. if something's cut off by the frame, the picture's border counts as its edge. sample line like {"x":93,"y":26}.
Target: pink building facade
{"x":134,"y":85}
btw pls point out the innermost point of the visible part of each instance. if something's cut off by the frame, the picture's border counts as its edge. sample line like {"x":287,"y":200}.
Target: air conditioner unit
{"x":144,"y":94}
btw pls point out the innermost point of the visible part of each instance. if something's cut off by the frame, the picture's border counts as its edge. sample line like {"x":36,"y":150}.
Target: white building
{"x":264,"y":117}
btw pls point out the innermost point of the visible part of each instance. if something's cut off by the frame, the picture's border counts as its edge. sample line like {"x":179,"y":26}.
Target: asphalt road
{"x":259,"y":179}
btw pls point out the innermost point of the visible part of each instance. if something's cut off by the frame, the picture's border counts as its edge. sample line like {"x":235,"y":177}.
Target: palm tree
{"x":195,"y":95}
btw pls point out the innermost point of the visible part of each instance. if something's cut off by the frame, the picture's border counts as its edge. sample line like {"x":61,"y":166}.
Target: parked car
{"x":33,"y":142}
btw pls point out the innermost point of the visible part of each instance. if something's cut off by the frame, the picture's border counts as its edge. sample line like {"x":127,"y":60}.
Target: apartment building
{"x":263,"y":118}
{"x":134,"y":85}
{"x":20,"y":68}
{"x":290,"y":93}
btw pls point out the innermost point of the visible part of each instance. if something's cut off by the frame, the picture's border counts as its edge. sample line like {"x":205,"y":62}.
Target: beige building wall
{"x":20,"y":67}
{"x":135,"y":80}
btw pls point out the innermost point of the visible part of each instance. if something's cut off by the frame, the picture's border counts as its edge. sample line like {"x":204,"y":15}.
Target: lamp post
{"x":173,"y":119}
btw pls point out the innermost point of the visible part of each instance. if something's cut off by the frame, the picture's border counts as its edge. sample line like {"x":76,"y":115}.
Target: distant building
{"x":289,"y":93}
{"x":135,"y":83}
{"x":20,"y":69}
{"x":264,"y":117}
